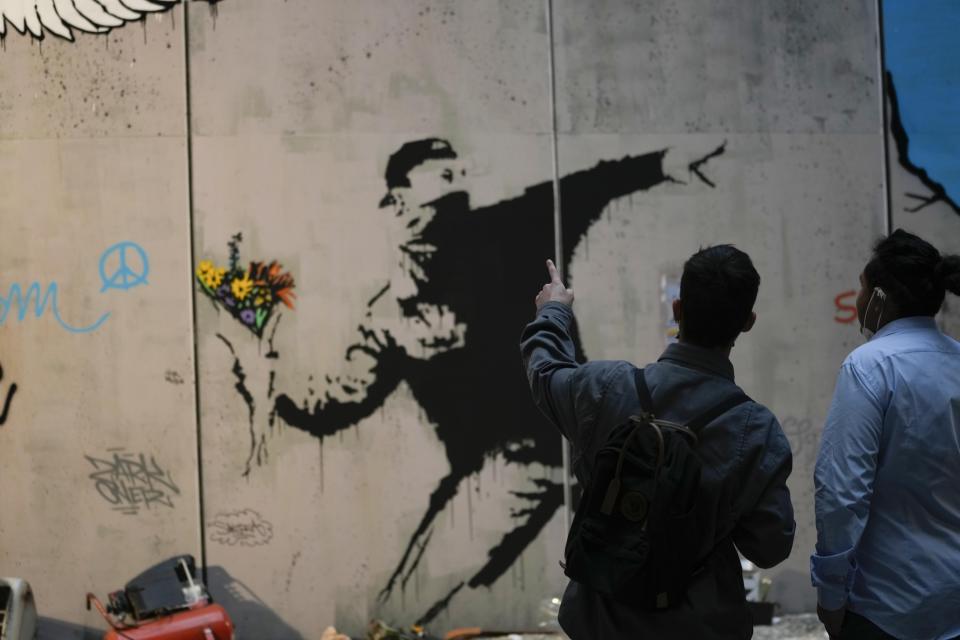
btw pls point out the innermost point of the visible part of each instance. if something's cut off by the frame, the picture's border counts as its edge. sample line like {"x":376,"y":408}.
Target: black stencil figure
{"x":6,"y":403}
{"x":899,"y":132}
{"x":249,"y":392}
{"x":467,"y":288}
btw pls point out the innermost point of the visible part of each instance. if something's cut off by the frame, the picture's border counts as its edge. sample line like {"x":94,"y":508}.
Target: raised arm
{"x":585,"y":194}
{"x":567,"y":392}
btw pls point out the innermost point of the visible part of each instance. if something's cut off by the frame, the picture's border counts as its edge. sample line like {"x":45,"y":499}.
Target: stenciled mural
{"x":250,"y":295}
{"x":455,"y":348}
{"x":376,"y":323}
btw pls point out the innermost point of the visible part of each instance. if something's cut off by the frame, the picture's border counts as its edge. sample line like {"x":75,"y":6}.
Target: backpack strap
{"x":643,"y":391}
{"x":697,"y":424}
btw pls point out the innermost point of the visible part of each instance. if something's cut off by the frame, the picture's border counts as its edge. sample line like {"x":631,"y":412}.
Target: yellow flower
{"x":204,"y":267}
{"x":241,"y":287}
{"x":210,"y":275}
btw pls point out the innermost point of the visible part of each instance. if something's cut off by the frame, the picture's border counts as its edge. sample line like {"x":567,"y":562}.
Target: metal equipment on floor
{"x":165,"y":602}
{"x":18,"y":612}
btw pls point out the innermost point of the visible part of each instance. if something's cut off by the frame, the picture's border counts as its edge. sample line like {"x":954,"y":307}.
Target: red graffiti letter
{"x":846,"y":313}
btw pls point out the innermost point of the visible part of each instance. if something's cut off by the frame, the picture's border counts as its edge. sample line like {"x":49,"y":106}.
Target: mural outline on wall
{"x":128,"y":481}
{"x":9,"y":398}
{"x":448,"y":347}
{"x":60,"y":17}
{"x":921,"y":87}
{"x":250,"y":296}
{"x":245,"y":527}
{"x":123,"y":278}
{"x":938,"y":192}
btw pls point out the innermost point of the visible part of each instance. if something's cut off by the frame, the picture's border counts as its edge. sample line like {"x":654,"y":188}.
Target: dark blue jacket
{"x":746,"y":461}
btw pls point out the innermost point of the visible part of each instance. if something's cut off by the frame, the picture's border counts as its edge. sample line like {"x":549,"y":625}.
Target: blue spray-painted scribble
{"x":16,"y":299}
{"x":123,"y":277}
{"x":921,"y":51}
{"x":39,"y":301}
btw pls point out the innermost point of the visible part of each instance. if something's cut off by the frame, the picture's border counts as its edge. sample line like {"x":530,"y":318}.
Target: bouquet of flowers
{"x":249,"y":295}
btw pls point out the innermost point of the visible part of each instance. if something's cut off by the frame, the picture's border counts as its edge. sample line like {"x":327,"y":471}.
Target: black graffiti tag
{"x":6,"y":403}
{"x":246,"y":528}
{"x":801,"y":434}
{"x":128,"y":481}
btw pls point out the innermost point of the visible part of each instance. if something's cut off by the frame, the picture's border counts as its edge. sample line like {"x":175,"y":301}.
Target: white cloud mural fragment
{"x":61,"y":17}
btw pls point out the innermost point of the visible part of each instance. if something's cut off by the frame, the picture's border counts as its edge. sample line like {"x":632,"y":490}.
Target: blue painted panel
{"x":923,"y":57}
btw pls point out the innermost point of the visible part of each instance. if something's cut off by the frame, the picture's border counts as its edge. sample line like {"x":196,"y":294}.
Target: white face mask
{"x":882,"y":296}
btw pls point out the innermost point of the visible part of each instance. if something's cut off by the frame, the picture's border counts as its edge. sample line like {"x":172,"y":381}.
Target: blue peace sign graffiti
{"x":123,"y":276}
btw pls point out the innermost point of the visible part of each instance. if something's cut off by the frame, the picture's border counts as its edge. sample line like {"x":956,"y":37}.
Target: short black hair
{"x":913,"y":273}
{"x":717,"y":291}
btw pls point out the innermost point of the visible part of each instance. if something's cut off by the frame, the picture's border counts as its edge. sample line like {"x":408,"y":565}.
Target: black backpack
{"x":635,"y":536}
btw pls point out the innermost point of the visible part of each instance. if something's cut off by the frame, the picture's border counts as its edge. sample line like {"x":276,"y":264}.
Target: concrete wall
{"x":98,"y":444}
{"x":789,"y":95}
{"x":385,"y":491}
{"x":369,"y":450}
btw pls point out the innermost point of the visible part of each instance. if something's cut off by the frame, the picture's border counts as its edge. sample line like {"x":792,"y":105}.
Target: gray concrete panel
{"x":775,"y":106}
{"x":100,"y":350}
{"x":730,"y":66}
{"x":96,"y":314}
{"x":292,"y":150}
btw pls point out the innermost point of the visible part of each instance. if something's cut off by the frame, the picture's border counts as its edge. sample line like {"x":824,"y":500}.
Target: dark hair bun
{"x":948,"y":273}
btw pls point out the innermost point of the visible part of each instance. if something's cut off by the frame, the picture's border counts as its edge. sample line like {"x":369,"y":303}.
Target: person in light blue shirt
{"x":887,"y":478}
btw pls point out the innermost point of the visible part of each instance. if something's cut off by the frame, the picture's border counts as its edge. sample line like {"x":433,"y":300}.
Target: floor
{"x":796,"y":627}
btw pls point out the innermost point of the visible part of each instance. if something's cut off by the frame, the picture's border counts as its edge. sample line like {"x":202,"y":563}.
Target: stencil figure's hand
{"x":422,"y":330}
{"x":687,"y":164}
{"x":555,"y":290}
{"x":362,"y":359}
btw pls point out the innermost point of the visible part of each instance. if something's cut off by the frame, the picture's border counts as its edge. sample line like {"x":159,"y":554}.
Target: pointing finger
{"x":554,"y":274}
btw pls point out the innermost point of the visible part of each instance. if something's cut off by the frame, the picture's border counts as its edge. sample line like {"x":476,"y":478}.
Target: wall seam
{"x":193,"y":292}
{"x":557,"y":227}
{"x":882,"y":62}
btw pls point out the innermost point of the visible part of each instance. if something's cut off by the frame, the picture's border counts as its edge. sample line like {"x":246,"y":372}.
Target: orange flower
{"x":273,"y":277}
